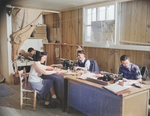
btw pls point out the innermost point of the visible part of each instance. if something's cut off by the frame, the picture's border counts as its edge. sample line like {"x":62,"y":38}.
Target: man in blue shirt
{"x":129,"y":70}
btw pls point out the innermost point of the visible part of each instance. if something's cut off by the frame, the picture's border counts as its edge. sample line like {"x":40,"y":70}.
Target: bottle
{"x":68,"y":69}
{"x":107,"y":43}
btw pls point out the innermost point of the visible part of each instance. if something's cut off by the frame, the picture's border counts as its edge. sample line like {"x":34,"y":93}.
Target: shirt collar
{"x":83,"y":60}
{"x":128,"y":68}
{"x":39,"y":62}
{"x":34,"y":52}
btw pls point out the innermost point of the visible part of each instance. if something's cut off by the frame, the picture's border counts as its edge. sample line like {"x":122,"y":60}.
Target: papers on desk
{"x":70,"y":73}
{"x":63,"y":71}
{"x":30,"y":58}
{"x":57,"y":65}
{"x":115,"y":88}
{"x":90,"y":75}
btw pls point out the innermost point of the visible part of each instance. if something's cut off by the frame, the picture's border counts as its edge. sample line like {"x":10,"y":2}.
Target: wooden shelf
{"x":36,"y":37}
{"x":64,"y":44}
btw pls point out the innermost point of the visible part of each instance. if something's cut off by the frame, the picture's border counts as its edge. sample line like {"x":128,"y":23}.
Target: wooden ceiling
{"x":54,"y":4}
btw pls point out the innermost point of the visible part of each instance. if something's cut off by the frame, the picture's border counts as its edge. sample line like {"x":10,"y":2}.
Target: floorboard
{"x":10,"y":106}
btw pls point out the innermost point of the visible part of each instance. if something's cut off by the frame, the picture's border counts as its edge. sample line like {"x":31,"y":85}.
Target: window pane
{"x":88,"y":16}
{"x":110,"y":12}
{"x":94,"y":14}
{"x":101,"y":13}
{"x":88,"y":33}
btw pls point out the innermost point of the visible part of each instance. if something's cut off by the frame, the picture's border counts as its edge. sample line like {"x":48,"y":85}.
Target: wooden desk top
{"x":133,"y":90}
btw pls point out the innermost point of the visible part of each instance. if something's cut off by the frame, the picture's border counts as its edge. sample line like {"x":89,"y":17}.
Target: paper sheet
{"x":115,"y":88}
{"x":84,"y":76}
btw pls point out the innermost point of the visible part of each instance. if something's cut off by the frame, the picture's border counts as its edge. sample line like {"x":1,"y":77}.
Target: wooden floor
{"x":9,"y":106}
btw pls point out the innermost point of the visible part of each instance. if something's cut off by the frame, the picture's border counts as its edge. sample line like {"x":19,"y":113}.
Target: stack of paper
{"x":115,"y":88}
{"x":57,"y":65}
{"x":84,"y":76}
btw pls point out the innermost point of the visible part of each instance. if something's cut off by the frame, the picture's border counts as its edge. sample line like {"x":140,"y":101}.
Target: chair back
{"x":23,"y":78}
{"x":25,"y":87}
{"x":94,"y":67}
{"x":144,"y":73}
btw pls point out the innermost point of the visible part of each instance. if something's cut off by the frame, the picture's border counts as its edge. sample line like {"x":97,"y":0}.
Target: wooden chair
{"x":25,"y":87}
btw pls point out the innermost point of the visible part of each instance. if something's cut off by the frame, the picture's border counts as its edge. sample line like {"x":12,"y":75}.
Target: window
{"x":108,"y":25}
{"x":99,"y":24}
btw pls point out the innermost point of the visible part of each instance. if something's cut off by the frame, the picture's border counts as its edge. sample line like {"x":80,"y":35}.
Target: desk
{"x":24,"y":63}
{"x":93,"y":100}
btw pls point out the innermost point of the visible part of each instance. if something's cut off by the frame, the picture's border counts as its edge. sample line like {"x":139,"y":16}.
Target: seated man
{"x":129,"y":70}
{"x":34,"y":53}
{"x":83,"y":63}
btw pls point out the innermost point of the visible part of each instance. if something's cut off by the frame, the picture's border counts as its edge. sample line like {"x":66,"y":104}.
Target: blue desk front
{"x":93,"y":101}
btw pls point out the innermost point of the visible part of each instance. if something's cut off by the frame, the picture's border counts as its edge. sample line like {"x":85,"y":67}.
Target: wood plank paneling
{"x":80,"y":26}
{"x":134,"y":20}
{"x":75,"y":27}
{"x":148,"y":23}
{"x":52,"y":21}
{"x":135,"y":27}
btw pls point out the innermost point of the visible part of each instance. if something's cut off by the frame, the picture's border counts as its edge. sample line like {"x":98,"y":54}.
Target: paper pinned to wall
{"x":103,"y":31}
{"x":57,"y":52}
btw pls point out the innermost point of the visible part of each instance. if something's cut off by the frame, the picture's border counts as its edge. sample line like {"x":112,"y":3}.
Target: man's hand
{"x":75,"y":68}
{"x":82,"y":68}
{"x":99,"y":75}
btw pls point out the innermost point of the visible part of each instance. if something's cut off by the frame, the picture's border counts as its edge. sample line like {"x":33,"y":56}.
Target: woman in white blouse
{"x":43,"y":86}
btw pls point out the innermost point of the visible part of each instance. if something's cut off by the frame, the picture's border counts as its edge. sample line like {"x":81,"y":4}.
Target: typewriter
{"x":68,"y":63}
{"x":110,"y":76}
{"x":106,"y":78}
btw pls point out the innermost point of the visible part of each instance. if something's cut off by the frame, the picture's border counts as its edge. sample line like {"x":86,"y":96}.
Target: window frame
{"x":117,"y":44}
{"x":86,"y":43}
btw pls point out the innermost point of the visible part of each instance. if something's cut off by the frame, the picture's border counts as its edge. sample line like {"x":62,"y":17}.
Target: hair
{"x":123,"y":58}
{"x":81,"y":52}
{"x":30,"y":49}
{"x":41,"y":55}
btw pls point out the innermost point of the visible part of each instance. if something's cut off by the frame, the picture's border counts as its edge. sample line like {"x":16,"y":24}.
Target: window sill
{"x":124,"y":47}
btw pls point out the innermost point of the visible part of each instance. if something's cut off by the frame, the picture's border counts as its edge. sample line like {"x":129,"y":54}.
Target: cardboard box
{"x":40,"y":29}
{"x":39,"y":35}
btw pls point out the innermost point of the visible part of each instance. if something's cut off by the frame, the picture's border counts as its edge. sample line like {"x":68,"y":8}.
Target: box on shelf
{"x":39,"y":35}
{"x":40,"y":31}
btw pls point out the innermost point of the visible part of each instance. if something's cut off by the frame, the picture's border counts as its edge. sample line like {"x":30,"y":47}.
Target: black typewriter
{"x":106,"y":78}
{"x":68,"y":63}
{"x":110,"y":76}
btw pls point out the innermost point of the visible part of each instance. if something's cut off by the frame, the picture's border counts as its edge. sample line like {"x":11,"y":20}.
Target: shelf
{"x":64,"y":44}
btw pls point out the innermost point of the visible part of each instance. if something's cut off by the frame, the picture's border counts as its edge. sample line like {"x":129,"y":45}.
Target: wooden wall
{"x":135,"y":21}
{"x":52,"y":21}
{"x":107,"y":59}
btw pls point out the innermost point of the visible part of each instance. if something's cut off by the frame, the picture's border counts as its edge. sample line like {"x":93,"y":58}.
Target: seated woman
{"x":43,"y":86}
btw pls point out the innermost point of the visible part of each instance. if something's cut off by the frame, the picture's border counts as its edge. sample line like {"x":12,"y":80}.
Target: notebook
{"x":115,"y":88}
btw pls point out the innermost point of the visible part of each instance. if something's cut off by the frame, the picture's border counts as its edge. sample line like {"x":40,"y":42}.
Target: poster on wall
{"x":103,"y":31}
